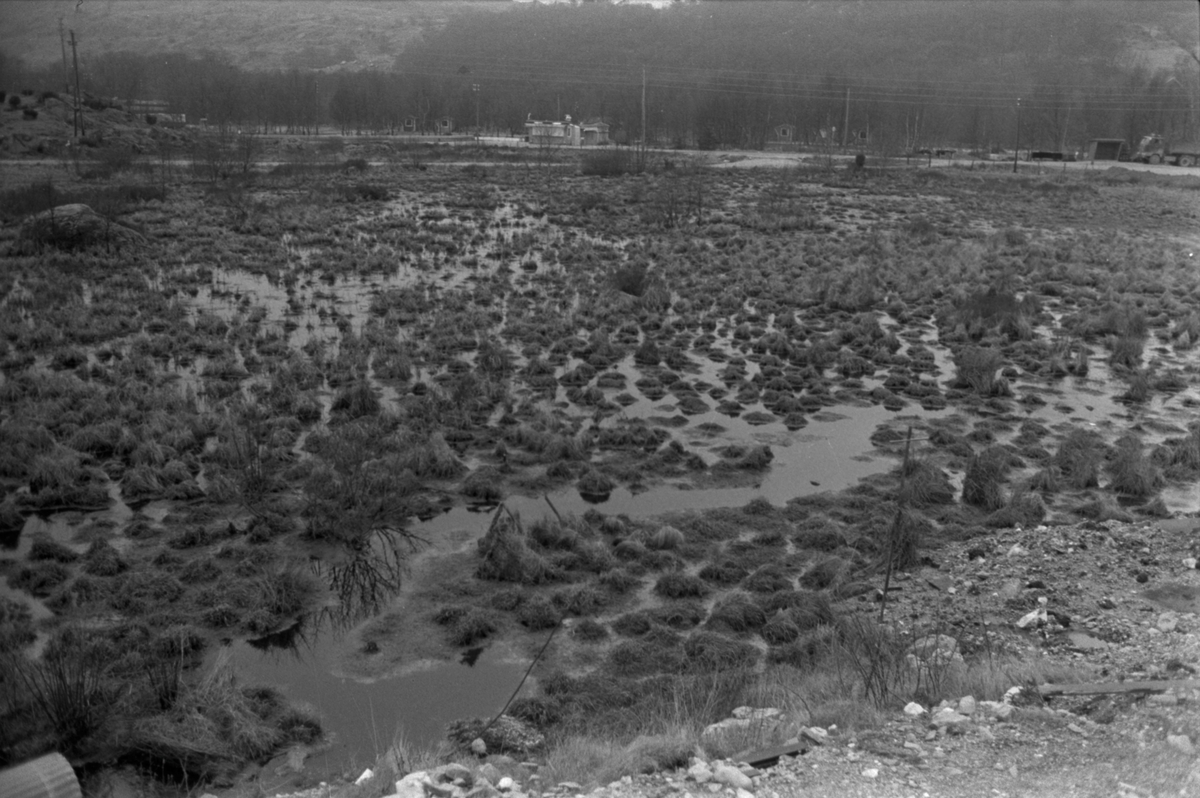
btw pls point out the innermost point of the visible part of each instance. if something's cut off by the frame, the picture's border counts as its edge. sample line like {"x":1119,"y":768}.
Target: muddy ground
{"x":246,"y":416}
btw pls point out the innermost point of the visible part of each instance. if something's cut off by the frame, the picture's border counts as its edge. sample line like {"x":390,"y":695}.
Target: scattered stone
{"x":412,"y":785}
{"x":1033,"y":617}
{"x":757,"y":713}
{"x":966,"y":705}
{"x":1106,"y":604}
{"x":1181,"y":743}
{"x":939,"y":581}
{"x":366,"y":775}
{"x":1162,"y":699}
{"x":1017,"y":550}
{"x":1167,"y":622}
{"x":479,"y":747}
{"x":914,"y":710}
{"x":815,"y":733}
{"x":745,"y":720}
{"x":505,"y":784}
{"x":700,"y":772}
{"x":946,"y":717}
{"x":1190,"y":563}
{"x":871,"y":773}
{"x":1081,"y":641}
{"x":728,"y":774}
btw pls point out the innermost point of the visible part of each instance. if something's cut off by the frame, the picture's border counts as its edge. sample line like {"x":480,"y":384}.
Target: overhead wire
{"x":1098,"y":99}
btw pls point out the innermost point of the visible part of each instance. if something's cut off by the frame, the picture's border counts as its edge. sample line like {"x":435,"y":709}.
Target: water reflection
{"x":365,"y":577}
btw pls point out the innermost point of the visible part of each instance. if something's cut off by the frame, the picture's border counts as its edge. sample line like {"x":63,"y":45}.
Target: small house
{"x":594,"y":133}
{"x":444,"y":126}
{"x":553,"y":134}
{"x":409,"y":125}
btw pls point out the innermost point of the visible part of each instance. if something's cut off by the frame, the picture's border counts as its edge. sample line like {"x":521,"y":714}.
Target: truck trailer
{"x":1155,"y":149}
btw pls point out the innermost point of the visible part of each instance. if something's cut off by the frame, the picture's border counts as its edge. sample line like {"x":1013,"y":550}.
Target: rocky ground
{"x":1121,"y":604}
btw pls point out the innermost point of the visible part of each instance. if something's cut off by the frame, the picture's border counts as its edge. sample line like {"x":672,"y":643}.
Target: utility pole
{"x":846,"y":119}
{"x":62,"y":40}
{"x":475,"y":89}
{"x":77,"y":117}
{"x":644,"y":140}
{"x":1017,"y":148}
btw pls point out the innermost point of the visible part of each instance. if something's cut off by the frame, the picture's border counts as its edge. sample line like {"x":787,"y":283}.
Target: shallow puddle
{"x":362,"y":718}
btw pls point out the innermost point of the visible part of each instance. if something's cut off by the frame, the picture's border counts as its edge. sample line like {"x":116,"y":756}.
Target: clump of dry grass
{"x":983,"y":482}
{"x":215,"y":726}
{"x":505,"y":555}
{"x":1078,"y":459}
{"x":976,"y":369}
{"x":1131,"y":472}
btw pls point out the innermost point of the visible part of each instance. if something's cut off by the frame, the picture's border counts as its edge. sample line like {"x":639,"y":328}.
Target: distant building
{"x":594,"y":133}
{"x":444,"y":126}
{"x":781,"y":137}
{"x":552,"y":134}
{"x":409,"y":125}
{"x":566,"y":133}
{"x":146,"y":106}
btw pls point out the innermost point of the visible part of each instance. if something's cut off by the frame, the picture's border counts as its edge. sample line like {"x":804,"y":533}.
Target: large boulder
{"x":73,"y":226}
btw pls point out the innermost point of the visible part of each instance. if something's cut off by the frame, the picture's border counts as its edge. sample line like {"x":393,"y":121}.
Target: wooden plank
{"x":769,"y":757}
{"x":1104,"y":688}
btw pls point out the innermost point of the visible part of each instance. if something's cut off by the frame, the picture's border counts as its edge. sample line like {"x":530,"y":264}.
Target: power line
{"x":1099,"y":100}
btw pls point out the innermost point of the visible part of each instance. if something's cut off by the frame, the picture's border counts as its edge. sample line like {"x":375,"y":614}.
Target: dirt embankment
{"x":44,"y":125}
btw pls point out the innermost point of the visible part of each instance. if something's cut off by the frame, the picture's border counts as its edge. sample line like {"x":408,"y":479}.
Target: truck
{"x":1156,"y":149}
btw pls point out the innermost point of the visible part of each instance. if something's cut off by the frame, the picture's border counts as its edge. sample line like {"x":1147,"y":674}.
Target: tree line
{"x":889,"y":77}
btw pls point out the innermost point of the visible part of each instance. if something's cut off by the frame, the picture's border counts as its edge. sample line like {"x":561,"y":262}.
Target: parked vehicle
{"x":1156,"y":149}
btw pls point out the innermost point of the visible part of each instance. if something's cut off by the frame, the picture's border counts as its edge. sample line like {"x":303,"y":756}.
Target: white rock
{"x":1167,"y":622}
{"x":505,"y":784}
{"x":413,"y":785}
{"x":815,"y":734}
{"x":364,"y":776}
{"x":1010,"y":694}
{"x":478,"y":747}
{"x":1182,"y":743}
{"x":743,"y":793}
{"x":728,"y":774}
{"x":871,"y":773}
{"x":738,"y":729}
{"x":1032,"y":617}
{"x":1017,"y":550}
{"x":757,"y":713}
{"x":700,"y":773}
{"x":913,"y":709}
{"x":966,"y":705}
{"x":948,"y":717}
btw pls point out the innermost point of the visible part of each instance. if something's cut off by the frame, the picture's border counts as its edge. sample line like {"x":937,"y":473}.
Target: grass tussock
{"x":216,"y":726}
{"x":983,"y":482}
{"x":976,"y":369}
{"x":1079,"y":458}
{"x":1131,"y":472}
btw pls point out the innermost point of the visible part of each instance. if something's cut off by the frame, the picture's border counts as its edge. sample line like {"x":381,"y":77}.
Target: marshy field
{"x":339,"y":423}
